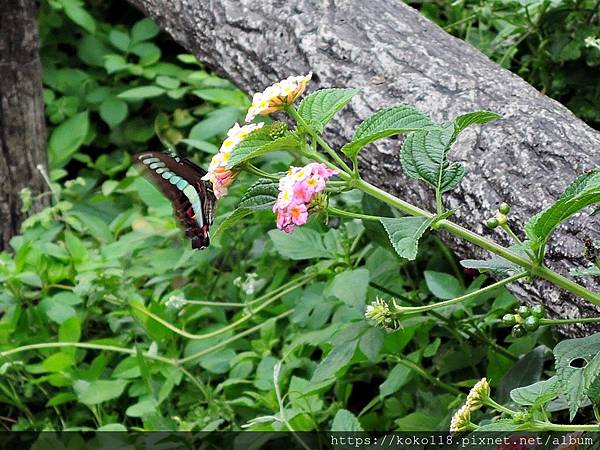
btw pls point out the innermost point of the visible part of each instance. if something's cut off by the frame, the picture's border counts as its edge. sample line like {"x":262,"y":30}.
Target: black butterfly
{"x":180,"y":180}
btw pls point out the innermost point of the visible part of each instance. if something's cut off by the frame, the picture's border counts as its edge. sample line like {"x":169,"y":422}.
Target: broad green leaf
{"x":113,"y":111}
{"x":66,"y":139}
{"x":540,"y":392}
{"x":371,"y":343}
{"x":592,"y":271}
{"x":98,"y":391}
{"x":231,"y":97}
{"x":58,"y":362}
{"x":270,"y":138}
{"x":142,"y":408}
{"x":398,"y":377}
{"x":70,"y":330}
{"x":142,"y":92}
{"x":443,"y":285}
{"x":478,"y":117}
{"x":351,"y":286}
{"x":57,"y":310}
{"x":337,"y":359}
{"x":112,"y":427}
{"x":424,"y":156}
{"x":577,"y":368}
{"x":119,"y":39}
{"x":344,"y":420}
{"x":495,"y":264}
{"x":526,"y":371}
{"x":215,"y":123}
{"x":303,"y":243}
{"x":143,"y":30}
{"x":405,"y":232}
{"x":384,"y":123}
{"x":581,"y":193}
{"x":259,"y":197}
{"x":80,"y":16}
{"x":318,"y":108}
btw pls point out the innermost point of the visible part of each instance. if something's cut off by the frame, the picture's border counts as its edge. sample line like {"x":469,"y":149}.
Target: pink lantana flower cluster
{"x":296,"y":192}
{"x":218,"y":174}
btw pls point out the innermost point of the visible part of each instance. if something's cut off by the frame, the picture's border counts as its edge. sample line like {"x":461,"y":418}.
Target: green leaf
{"x":215,"y":123}
{"x":344,"y":420}
{"x":526,"y":371}
{"x":405,"y":232}
{"x":540,"y":393}
{"x":58,"y":362}
{"x":70,"y":330}
{"x":581,"y":193}
{"x":592,"y":271}
{"x":142,"y":408}
{"x":443,"y":285}
{"x":384,"y":123}
{"x":478,"y":117}
{"x":270,"y":138}
{"x":56,"y":310}
{"x":66,"y":139}
{"x":260,"y":196}
{"x":337,"y":359}
{"x":398,"y":377}
{"x":222,"y":96}
{"x":371,"y":343}
{"x":98,"y":391}
{"x":303,"y":243}
{"x":495,"y":264}
{"x":119,"y":39}
{"x":142,"y":92}
{"x":577,"y":368}
{"x":80,"y":16}
{"x":113,"y":111}
{"x":143,"y":30}
{"x":351,"y":286}
{"x":424,"y":156}
{"x":318,"y":108}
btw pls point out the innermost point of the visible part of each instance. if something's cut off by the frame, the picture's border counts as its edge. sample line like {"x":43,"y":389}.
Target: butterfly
{"x":180,"y":180}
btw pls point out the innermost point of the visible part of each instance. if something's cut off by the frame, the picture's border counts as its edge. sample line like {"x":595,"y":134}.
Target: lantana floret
{"x":277,"y":96}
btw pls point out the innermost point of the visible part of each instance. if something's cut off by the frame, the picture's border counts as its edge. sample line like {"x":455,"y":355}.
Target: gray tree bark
{"x":22,"y":120}
{"x":395,"y":55}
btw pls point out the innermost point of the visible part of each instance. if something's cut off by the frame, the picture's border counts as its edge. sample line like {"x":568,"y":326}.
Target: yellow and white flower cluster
{"x":218,"y":174}
{"x":461,"y":420}
{"x":278,"y":96}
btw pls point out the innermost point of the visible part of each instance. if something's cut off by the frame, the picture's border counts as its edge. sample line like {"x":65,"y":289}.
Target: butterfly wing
{"x":180,"y":180}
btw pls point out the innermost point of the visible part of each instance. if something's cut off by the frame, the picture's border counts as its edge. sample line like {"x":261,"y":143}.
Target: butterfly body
{"x":180,"y":180}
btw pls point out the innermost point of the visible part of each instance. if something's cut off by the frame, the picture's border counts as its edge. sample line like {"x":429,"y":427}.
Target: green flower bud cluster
{"x":525,"y":319}
{"x":501,"y":217}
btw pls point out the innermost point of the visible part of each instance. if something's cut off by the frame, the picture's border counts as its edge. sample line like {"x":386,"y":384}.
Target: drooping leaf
{"x":338,"y":358}
{"x":270,"y":138}
{"x":405,"y":232}
{"x":303,"y":243}
{"x":424,"y":156}
{"x":66,"y":139}
{"x":577,"y":368}
{"x":318,"y":108}
{"x":384,"y":123}
{"x":581,"y":193}
{"x":141,"y":93}
{"x":443,"y":285}
{"x":526,"y":371}
{"x":478,"y":117}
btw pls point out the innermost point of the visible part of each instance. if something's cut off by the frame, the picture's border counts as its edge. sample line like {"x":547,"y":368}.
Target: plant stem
{"x":423,"y":373}
{"x":291,"y":110}
{"x":569,"y":321}
{"x":480,"y":241}
{"x":199,"y":337}
{"x":351,"y":215}
{"x":417,"y":309}
{"x":549,"y":426}
{"x":259,"y":172}
{"x":491,"y":403}
{"x":438,"y":202}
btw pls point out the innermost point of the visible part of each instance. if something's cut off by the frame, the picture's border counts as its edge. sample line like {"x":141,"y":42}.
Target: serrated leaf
{"x":345,"y":421}
{"x":270,"y":138}
{"x":539,"y":393}
{"x":384,"y":123}
{"x":424,"y":156}
{"x":259,"y":197}
{"x":577,"y":368}
{"x":581,"y":193}
{"x":318,"y":108}
{"x":495,"y":264}
{"x":478,"y":117}
{"x":405,"y":232}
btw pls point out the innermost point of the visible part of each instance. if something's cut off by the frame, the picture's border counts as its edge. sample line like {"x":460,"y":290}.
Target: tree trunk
{"x":22,"y":121}
{"x":395,"y":55}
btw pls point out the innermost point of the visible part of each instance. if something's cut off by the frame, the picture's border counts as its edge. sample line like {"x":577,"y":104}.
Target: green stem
{"x":417,"y":309}
{"x":491,"y":403}
{"x":245,"y":318}
{"x":480,"y":241}
{"x":438,"y":202}
{"x":423,"y":373}
{"x":512,"y":234}
{"x":351,"y":215}
{"x":569,"y":321}
{"x":549,"y":426}
{"x":251,"y":168}
{"x":226,"y":342}
{"x":291,"y":110}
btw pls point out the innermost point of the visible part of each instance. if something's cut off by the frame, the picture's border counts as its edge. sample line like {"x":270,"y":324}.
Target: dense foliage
{"x":263,"y":330}
{"x":553,"y":44}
